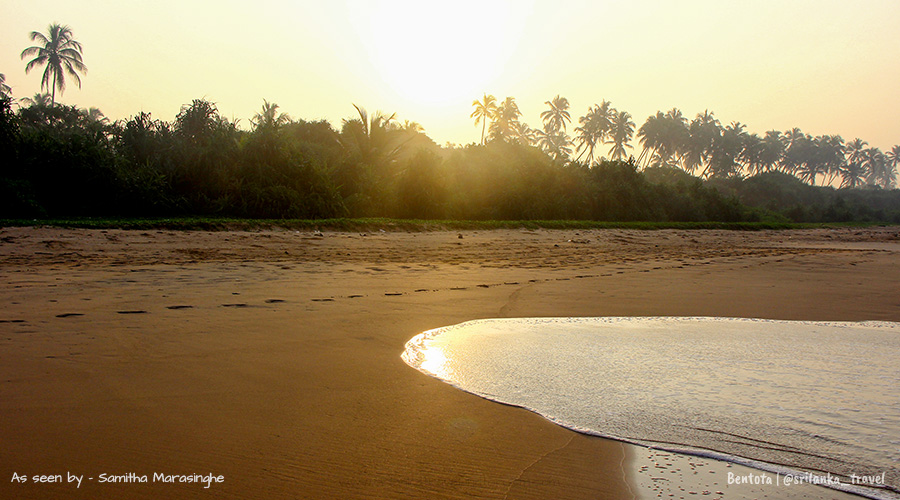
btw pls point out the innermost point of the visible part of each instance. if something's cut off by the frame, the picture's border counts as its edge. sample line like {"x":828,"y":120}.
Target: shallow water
{"x":778,"y":395}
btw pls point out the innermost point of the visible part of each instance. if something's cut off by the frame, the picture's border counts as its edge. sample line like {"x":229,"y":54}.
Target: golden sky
{"x":827,"y":67}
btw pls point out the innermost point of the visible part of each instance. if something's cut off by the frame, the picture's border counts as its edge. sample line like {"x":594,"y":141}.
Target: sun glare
{"x":436,"y":53}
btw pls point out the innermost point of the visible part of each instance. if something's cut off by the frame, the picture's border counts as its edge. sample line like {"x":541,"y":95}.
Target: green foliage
{"x":66,"y":162}
{"x":800,"y":202}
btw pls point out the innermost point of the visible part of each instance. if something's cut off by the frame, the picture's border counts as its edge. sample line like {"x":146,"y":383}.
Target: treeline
{"x":702,"y":146}
{"x":62,"y":161}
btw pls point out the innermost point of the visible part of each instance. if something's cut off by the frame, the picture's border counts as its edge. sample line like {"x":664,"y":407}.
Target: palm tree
{"x":505,"y":120}
{"x":651,"y":135}
{"x":726,"y":151}
{"x":40,"y":100}
{"x":879,"y":169}
{"x":269,"y":118}
{"x":853,"y":175}
{"x":593,"y":130}
{"x":620,"y":133}
{"x":772,"y":150}
{"x":60,"y":53}
{"x":524,"y":134}
{"x":485,"y":111}
{"x":558,"y":114}
{"x":856,"y":151}
{"x":554,"y":142}
{"x":371,"y":138}
{"x":894,"y":156}
{"x":4,"y":88}
{"x":665,"y":137}
{"x":414,"y":127}
{"x":796,"y":147}
{"x":95,"y":115}
{"x":703,"y":134}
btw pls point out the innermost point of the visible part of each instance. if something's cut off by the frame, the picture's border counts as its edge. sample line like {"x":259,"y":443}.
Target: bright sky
{"x":825,"y":66}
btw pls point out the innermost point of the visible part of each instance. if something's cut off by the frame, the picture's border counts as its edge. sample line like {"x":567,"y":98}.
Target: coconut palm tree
{"x":853,"y":175}
{"x":665,"y":136}
{"x":95,"y":115}
{"x":856,"y":151}
{"x":371,"y":138}
{"x":620,"y":133}
{"x":832,"y":155}
{"x":269,"y":118}
{"x":505,"y":120}
{"x":60,"y":53}
{"x":524,"y":134}
{"x":893,"y":156}
{"x":4,"y":88}
{"x":651,"y":135}
{"x":880,"y":170}
{"x":556,"y":117}
{"x":796,"y":150}
{"x":554,"y":142}
{"x":726,"y":152}
{"x":41,"y":100}
{"x":772,"y":150}
{"x":703,"y":133}
{"x":593,"y":130}
{"x":485,"y":111}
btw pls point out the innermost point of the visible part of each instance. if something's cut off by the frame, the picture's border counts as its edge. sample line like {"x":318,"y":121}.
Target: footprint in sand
{"x":179,"y":307}
{"x":68,"y":315}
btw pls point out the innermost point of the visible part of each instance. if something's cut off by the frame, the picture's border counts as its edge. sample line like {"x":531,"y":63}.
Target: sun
{"x":436,"y":53}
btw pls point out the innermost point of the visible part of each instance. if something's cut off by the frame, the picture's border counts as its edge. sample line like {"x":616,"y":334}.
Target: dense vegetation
{"x":60,"y":161}
{"x":64,"y":161}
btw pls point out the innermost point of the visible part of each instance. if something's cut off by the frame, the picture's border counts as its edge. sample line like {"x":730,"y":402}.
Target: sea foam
{"x":784,"y":396}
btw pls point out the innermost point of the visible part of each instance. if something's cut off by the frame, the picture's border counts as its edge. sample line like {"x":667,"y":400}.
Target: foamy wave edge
{"x":412,"y":356}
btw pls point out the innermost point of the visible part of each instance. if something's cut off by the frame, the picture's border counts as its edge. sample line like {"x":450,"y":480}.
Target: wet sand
{"x":272,"y":358}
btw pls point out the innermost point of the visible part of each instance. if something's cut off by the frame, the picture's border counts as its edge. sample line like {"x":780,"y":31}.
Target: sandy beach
{"x":272,"y":358}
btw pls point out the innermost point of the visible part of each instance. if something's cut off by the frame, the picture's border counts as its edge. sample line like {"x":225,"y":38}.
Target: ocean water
{"x":782,"y":396}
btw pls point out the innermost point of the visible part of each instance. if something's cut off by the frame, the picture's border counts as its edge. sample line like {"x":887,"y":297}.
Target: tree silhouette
{"x":556,"y":117}
{"x":505,"y":121}
{"x":485,"y":111}
{"x":554,"y":142}
{"x":620,"y":134}
{"x":40,"y":100}
{"x":268,"y":118}
{"x":95,"y":115}
{"x":893,"y":157}
{"x":4,"y":88}
{"x":524,"y":134}
{"x":593,"y":129}
{"x":60,"y":53}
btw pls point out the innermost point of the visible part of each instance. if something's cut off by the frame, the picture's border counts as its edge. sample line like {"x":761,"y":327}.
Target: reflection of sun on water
{"x":436,"y":362}
{"x":437,"y":52}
